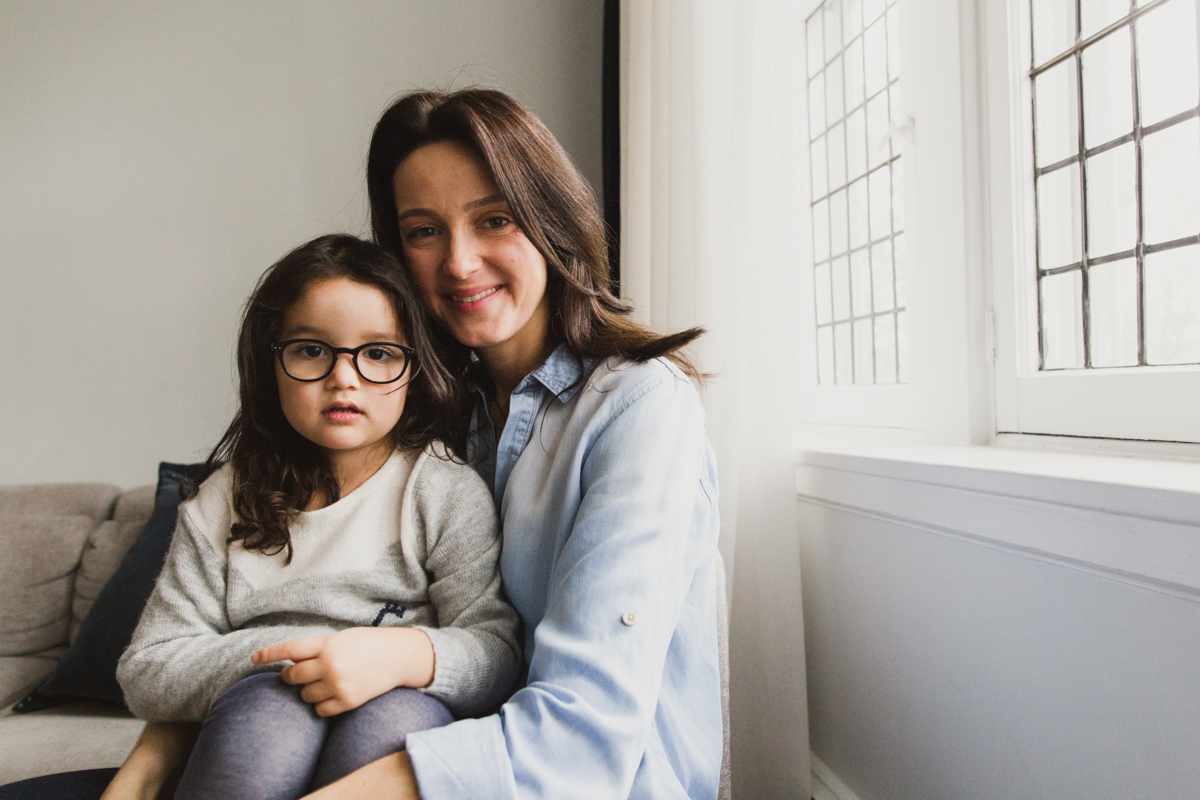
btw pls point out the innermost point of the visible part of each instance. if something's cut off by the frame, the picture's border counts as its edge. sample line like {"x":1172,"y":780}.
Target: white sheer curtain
{"x":711,"y":232}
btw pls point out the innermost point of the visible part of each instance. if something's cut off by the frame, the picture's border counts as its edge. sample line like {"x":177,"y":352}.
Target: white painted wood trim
{"x":1149,"y":537}
{"x":831,"y":781}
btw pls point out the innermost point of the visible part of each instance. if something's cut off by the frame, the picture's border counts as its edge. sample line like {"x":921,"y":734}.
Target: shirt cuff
{"x":466,"y":759}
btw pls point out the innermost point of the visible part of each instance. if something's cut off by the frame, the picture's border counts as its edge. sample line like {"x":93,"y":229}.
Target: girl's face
{"x":343,"y":414}
{"x":478,"y":273}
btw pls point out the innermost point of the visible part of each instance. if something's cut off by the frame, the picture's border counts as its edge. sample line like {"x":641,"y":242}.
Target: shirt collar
{"x":562,"y":373}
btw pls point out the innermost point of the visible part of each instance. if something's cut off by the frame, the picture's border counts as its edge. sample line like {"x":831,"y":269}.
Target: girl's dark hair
{"x":552,"y":203}
{"x":276,"y":471}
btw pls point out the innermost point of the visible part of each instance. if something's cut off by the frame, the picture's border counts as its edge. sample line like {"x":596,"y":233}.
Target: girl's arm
{"x":184,"y":653}
{"x":156,"y":761}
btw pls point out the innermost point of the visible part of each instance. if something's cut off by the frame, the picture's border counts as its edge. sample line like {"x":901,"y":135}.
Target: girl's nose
{"x":344,"y":375}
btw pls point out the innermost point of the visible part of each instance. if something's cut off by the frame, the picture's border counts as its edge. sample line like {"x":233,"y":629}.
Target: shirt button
{"x":629,"y":618}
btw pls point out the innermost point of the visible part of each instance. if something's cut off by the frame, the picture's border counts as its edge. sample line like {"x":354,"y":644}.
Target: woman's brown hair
{"x":552,"y":204}
{"x":276,"y":471}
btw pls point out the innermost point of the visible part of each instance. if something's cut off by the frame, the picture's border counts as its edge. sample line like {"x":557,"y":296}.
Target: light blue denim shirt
{"x":607,"y":491}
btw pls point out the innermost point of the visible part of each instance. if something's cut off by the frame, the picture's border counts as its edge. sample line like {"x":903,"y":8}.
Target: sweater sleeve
{"x":184,"y":654}
{"x":476,"y":653}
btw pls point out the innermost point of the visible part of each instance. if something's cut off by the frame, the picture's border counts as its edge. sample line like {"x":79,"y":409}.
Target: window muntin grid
{"x":1118,"y":229}
{"x":857,"y":192}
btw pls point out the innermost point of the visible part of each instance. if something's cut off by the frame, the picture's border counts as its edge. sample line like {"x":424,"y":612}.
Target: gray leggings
{"x":261,"y":740}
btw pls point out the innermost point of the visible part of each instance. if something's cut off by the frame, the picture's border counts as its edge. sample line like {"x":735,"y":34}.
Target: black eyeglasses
{"x":312,"y":360}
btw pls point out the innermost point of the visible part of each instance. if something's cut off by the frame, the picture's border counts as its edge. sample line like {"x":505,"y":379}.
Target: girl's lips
{"x":342,"y":412}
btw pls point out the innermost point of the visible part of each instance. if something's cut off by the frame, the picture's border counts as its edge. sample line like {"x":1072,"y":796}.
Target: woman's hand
{"x":343,"y":670}
{"x":156,"y":760}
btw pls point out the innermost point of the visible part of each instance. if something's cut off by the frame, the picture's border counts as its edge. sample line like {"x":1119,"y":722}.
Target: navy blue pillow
{"x":88,"y":669}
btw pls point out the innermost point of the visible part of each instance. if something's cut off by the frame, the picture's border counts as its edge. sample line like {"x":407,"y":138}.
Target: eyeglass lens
{"x":312,"y":360}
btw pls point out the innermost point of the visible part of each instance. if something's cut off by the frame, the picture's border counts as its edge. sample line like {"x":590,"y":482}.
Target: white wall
{"x":156,"y":157}
{"x":969,"y":634}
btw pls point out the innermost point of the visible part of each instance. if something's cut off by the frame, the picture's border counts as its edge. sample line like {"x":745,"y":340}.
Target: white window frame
{"x":1143,"y":403}
{"x":948,"y":398}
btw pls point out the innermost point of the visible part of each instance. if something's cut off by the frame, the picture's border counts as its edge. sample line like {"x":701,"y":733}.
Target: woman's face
{"x":478,"y":273}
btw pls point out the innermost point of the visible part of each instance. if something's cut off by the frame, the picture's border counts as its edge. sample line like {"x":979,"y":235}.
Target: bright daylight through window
{"x":857,"y":207}
{"x":1116,"y":143}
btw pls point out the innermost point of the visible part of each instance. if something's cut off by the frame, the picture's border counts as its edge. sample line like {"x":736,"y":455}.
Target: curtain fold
{"x":712,"y":229}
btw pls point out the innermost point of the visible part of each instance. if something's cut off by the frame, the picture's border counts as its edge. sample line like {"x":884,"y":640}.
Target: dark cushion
{"x":88,"y":669}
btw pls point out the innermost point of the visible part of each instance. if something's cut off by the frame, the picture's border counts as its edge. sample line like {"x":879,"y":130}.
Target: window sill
{"x":1136,"y":520}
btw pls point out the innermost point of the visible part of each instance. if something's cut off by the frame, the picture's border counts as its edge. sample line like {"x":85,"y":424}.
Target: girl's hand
{"x":343,"y":670}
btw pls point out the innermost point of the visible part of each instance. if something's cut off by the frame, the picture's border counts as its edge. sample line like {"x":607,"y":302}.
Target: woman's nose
{"x":463,"y":259}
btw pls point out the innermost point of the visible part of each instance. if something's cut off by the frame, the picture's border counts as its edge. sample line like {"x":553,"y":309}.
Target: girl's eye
{"x":381,"y":354}
{"x":310,"y":351}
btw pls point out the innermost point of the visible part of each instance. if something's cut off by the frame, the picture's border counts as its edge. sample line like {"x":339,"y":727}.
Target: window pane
{"x":1096,"y":15}
{"x":854,"y":74}
{"x":898,"y":194}
{"x":1112,"y":207}
{"x":898,"y":265}
{"x":825,"y":356}
{"x":1173,"y":306}
{"x":1171,"y":183}
{"x":822,"y":289}
{"x":839,"y":227}
{"x":1053,"y":28}
{"x":841,"y":288}
{"x":881,"y":202}
{"x":837,"y":156}
{"x":820,"y":169}
{"x":858,"y":213}
{"x":1167,"y":66}
{"x":856,"y":143}
{"x":875,"y":52}
{"x":1062,"y":324}
{"x":877,"y":131}
{"x":820,"y":223}
{"x":816,"y":45}
{"x":1058,"y":217}
{"x":834,"y":91}
{"x":871,"y":10}
{"x":842,"y":358}
{"x":816,"y":107}
{"x":851,"y":20}
{"x":864,"y":344}
{"x":1107,"y":89}
{"x":902,"y":347}
{"x":833,"y":28}
{"x":860,"y":283}
{"x":893,"y":35}
{"x":1057,"y":116}
{"x":885,"y":349}
{"x":1112,"y":305}
{"x":881,"y":276}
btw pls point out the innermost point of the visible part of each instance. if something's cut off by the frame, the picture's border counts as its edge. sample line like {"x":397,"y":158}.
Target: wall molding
{"x":1144,"y":536}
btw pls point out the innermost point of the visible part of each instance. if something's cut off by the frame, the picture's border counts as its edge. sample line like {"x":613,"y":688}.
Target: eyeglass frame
{"x":410,"y":359}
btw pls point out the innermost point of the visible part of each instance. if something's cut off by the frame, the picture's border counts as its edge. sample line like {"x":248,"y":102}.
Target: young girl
{"x":339,"y":526}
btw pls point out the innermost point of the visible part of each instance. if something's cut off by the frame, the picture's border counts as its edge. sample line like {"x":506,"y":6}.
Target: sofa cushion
{"x":93,"y":500}
{"x":19,"y":674}
{"x":37,"y":574}
{"x":89,"y":667}
{"x":105,"y":549}
{"x":70,"y":737}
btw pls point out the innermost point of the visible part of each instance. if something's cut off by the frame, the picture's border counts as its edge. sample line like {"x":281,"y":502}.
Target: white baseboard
{"x":823,"y":777}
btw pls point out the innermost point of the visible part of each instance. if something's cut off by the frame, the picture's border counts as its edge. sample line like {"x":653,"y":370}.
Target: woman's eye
{"x":496,"y":222}
{"x":422,"y":232}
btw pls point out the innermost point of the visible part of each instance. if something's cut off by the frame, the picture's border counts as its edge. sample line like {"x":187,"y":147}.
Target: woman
{"x":590,"y":432}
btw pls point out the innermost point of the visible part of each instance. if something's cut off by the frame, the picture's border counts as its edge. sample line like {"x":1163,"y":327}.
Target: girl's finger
{"x":317,"y":692}
{"x":306,"y":671}
{"x":329,"y":708}
{"x":295,"y":650}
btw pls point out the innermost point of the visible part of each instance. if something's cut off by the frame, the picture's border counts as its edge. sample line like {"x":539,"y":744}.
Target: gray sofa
{"x":59,"y":545}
